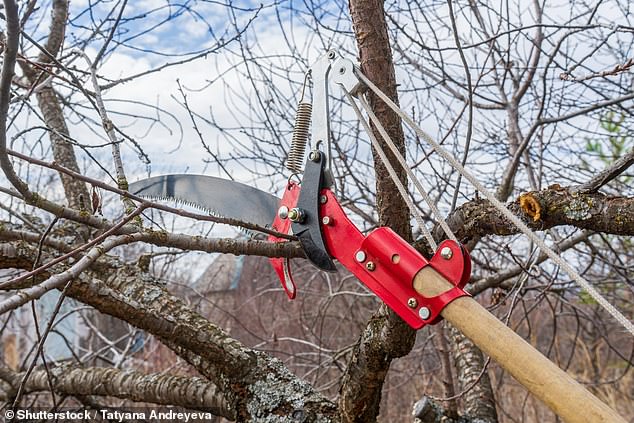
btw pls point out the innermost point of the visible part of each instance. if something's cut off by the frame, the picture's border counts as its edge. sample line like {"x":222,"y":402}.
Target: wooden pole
{"x":564,"y":395}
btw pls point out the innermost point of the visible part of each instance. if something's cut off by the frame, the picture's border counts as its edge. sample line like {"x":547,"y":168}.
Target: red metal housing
{"x":387,"y":265}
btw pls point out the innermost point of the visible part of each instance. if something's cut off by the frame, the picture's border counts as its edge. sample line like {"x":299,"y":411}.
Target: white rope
{"x":419,"y":187}
{"x":392,"y":172}
{"x":505,"y":211}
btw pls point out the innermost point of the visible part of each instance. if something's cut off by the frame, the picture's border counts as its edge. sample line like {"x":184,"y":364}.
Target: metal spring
{"x":295,"y":160}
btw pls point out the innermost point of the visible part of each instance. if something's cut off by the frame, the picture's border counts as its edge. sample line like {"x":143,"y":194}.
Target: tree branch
{"x":157,"y":388}
{"x":541,"y":210}
{"x":386,"y":336}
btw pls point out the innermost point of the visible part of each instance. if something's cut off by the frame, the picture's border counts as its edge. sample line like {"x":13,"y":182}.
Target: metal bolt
{"x":323,"y":199}
{"x":424,"y":313}
{"x":314,"y":156}
{"x":370,"y":266}
{"x":412,"y":303}
{"x":360,"y":256}
{"x":446,"y":253}
{"x":283,"y":212}
{"x":326,"y":220}
{"x":296,"y":215}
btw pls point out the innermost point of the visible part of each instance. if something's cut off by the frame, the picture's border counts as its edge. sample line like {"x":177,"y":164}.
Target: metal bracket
{"x":387,"y":265}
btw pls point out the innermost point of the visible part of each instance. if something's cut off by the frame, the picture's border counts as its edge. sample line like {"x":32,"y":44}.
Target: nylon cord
{"x":419,"y":187}
{"x":596,"y":295}
{"x":390,"y":169}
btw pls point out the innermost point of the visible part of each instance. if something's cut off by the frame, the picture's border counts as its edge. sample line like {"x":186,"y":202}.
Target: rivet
{"x":360,"y":256}
{"x":323,"y":199}
{"x":283,"y":212}
{"x":331,"y":54}
{"x":446,"y":253}
{"x":412,"y":303}
{"x":396,"y":258}
{"x":326,"y":220}
{"x":314,"y":156}
{"x":370,"y":266}
{"x":342,"y":70}
{"x":296,"y":214}
{"x":424,"y":313}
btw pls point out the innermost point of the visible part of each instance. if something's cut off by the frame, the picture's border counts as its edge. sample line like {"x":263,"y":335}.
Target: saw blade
{"x":219,"y":196}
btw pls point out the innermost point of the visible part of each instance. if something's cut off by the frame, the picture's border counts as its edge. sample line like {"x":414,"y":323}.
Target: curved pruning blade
{"x":218,"y":196}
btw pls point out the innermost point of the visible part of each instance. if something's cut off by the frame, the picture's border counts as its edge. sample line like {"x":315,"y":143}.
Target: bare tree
{"x":105,"y":303}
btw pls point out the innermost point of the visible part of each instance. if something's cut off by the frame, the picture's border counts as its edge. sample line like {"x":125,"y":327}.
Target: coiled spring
{"x":295,"y":160}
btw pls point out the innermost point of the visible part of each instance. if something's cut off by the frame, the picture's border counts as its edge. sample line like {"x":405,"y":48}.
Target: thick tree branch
{"x":157,"y":388}
{"x":63,"y":152}
{"x":386,"y":336}
{"x":6,"y":78}
{"x":253,"y":383}
{"x":541,"y":210}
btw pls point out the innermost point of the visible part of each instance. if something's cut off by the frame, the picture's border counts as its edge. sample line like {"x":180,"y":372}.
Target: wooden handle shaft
{"x":565,"y":396}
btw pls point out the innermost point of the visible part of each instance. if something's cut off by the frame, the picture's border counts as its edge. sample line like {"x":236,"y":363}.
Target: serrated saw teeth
{"x":216,"y":196}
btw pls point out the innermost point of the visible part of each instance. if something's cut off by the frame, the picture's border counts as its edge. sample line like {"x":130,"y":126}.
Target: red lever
{"x":282,"y":265}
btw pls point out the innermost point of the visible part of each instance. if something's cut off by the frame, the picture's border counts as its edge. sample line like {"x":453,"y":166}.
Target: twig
{"x":60,"y":279}
{"x":111,"y":231}
{"x":469,"y":102}
{"x":621,"y":67}
{"x":606,"y":175}
{"x":108,"y":126}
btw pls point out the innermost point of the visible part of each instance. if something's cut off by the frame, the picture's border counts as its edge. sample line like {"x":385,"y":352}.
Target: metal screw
{"x":326,"y":220}
{"x":323,"y":199}
{"x":283,"y":212}
{"x":360,"y":256}
{"x":424,"y":313}
{"x":446,"y":253}
{"x":314,"y":156}
{"x":370,"y":266}
{"x":296,"y":215}
{"x":412,"y":303}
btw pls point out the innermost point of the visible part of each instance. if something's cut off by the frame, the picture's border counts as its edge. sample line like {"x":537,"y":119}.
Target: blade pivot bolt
{"x":370,"y":266}
{"x":315,"y":156}
{"x":424,"y":313}
{"x":446,"y":253}
{"x":412,"y":303}
{"x":296,"y":215}
{"x":283,"y":212}
{"x":360,"y":256}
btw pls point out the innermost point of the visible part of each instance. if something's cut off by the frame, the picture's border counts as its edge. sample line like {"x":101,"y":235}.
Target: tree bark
{"x":52,"y":113}
{"x":541,"y":210}
{"x":478,"y":402}
{"x":158,"y":388}
{"x":255,"y":385}
{"x":386,"y":336}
